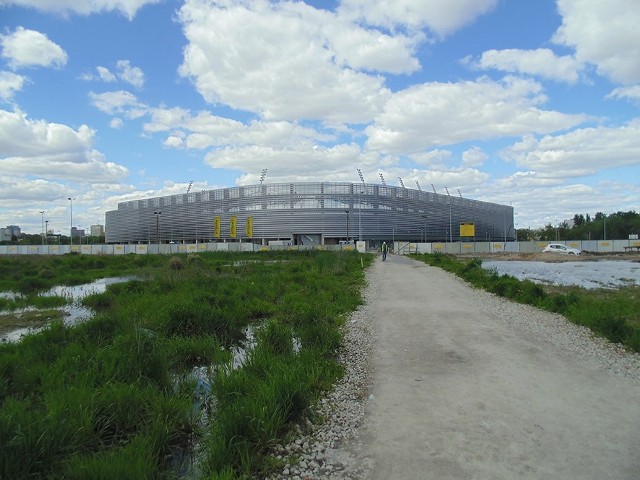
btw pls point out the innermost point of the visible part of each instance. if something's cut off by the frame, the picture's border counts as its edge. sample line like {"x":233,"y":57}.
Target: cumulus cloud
{"x":51,"y":150}
{"x":474,"y":157}
{"x":541,"y":62}
{"x":579,"y":152}
{"x":65,"y":7}
{"x":442,"y":17}
{"x":603,"y":33}
{"x":204,"y":130}
{"x":277,"y":59}
{"x":118,"y":103}
{"x":298,"y":162}
{"x":28,"y":48}
{"x":10,"y":83}
{"x":13,"y":192}
{"x":631,"y":92}
{"x":125,"y":72}
{"x":434,"y":159}
{"x":129,"y":74}
{"x":438,"y":114}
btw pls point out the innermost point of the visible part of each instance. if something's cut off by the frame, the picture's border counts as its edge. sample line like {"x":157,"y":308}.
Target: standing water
{"x":74,"y":311}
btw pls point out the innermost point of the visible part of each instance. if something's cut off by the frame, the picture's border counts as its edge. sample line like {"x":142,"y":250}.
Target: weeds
{"x":103,"y":399}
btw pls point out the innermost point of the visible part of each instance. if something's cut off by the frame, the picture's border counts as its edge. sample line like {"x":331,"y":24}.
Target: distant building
{"x":7,"y":234}
{"x":97,"y":230}
{"x":77,"y":232}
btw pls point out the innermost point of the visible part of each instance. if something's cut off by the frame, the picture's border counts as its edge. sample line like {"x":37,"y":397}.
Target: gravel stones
{"x":322,"y":450}
{"x":316,"y":452}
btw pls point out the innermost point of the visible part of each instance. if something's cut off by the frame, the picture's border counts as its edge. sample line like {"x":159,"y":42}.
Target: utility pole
{"x":157,"y":214}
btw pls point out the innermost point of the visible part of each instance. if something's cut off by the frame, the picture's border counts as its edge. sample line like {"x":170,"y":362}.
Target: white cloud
{"x":474,"y":157}
{"x":204,"y":130}
{"x":604,"y":33}
{"x":45,"y":150}
{"x":438,"y":114}
{"x":299,"y":162}
{"x":433,"y":159}
{"x":64,"y":7}
{"x":578,"y":153}
{"x":631,"y":92}
{"x":10,"y":83}
{"x":116,"y":123}
{"x":443,"y":17}
{"x":278,"y":59}
{"x":174,"y":141}
{"x":541,"y":62}
{"x":125,"y":72}
{"x":118,"y":102}
{"x":105,"y":75}
{"x":15,"y":192}
{"x":129,"y":74}
{"x":28,"y":48}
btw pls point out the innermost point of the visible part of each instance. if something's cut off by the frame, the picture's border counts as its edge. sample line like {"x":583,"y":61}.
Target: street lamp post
{"x":46,"y":231}
{"x":347,"y":212}
{"x":450,"y":229}
{"x":157,"y":214}
{"x":42,"y":213}
{"x":71,"y":225}
{"x":360,"y":202}
{"x":360,"y":216}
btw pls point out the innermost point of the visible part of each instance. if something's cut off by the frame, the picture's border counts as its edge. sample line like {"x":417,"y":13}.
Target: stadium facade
{"x":309,"y":213}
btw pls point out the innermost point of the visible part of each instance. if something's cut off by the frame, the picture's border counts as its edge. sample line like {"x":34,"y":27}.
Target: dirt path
{"x":457,"y":394}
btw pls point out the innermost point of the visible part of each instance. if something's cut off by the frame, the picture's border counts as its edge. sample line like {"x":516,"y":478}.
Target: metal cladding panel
{"x":331,"y":210}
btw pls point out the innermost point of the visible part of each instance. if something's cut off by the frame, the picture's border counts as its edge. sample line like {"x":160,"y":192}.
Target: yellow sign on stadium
{"x":467,"y":229}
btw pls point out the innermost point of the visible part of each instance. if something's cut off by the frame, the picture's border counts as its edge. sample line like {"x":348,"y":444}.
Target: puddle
{"x":589,"y":275}
{"x":185,"y":461}
{"x":73,"y":312}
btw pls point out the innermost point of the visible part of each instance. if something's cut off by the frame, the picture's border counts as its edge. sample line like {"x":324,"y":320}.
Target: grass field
{"x":115,"y":396}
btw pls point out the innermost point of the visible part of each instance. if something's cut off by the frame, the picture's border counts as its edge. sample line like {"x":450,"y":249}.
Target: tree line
{"x":616,"y":226}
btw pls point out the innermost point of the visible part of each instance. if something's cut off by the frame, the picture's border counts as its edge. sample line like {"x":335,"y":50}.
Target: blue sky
{"x":528,"y":103}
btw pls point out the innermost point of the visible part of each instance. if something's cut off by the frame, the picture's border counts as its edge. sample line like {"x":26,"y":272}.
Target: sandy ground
{"x":458,"y":394}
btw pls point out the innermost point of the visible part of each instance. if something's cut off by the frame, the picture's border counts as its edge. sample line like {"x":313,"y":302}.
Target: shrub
{"x":176,"y":263}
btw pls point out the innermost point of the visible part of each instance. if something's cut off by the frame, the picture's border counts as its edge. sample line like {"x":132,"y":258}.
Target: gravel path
{"x":408,"y":402}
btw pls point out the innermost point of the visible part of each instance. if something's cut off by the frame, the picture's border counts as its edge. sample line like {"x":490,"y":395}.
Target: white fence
{"x":595,"y":246}
{"x":398,"y":247}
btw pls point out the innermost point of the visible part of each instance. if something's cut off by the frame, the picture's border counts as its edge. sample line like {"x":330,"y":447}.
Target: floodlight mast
{"x":450,"y":230}
{"x":263,"y":175}
{"x":360,"y":205}
{"x":434,"y":188}
{"x":382,"y":179}
{"x":71,"y":199}
{"x":42,"y":213}
{"x":401,"y":182}
{"x":418,"y":185}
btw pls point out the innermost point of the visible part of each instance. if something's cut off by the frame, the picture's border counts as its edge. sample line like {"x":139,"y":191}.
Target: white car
{"x":559,"y":248}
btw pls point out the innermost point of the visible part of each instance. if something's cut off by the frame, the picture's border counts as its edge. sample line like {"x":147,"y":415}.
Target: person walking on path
{"x":385,"y":249}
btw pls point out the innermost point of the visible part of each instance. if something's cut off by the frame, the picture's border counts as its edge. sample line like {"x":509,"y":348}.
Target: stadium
{"x":309,"y":213}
